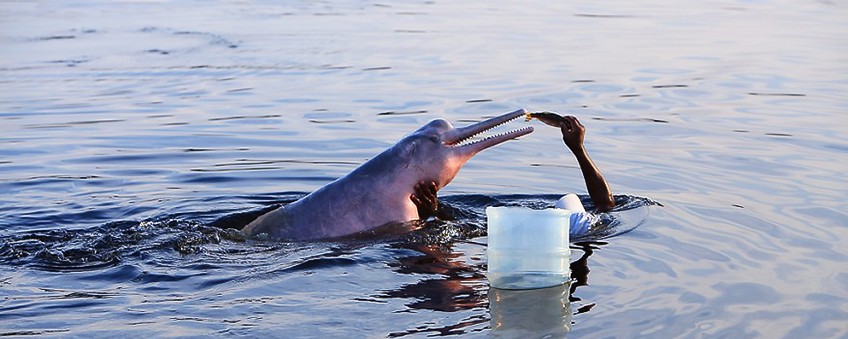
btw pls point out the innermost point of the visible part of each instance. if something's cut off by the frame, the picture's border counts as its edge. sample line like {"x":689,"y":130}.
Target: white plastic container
{"x":527,"y":248}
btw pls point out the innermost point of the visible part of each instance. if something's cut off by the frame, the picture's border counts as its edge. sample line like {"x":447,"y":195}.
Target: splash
{"x":110,"y":244}
{"x":113,"y":243}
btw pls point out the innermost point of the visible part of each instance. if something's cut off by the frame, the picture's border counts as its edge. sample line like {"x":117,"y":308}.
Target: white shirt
{"x":580,"y":222}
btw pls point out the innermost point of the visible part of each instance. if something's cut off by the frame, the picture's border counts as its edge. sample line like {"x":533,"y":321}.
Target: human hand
{"x":572,"y":130}
{"x":424,"y":197}
{"x":573,"y":133}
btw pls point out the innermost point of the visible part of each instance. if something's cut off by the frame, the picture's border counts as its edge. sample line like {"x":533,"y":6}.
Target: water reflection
{"x":459,"y":285}
{"x":539,"y":312}
{"x":580,"y":271}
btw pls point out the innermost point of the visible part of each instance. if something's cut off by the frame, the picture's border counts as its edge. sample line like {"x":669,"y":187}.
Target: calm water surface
{"x":127,"y":128}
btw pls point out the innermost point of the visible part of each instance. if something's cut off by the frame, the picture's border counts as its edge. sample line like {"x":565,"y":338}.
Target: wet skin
{"x":377,"y":194}
{"x":573,"y":133}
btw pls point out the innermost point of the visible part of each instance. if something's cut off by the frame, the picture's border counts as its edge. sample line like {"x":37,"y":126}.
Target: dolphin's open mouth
{"x":459,"y":137}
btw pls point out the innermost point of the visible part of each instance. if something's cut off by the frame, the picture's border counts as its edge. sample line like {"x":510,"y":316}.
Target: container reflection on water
{"x":530,"y":313}
{"x":527,"y":248}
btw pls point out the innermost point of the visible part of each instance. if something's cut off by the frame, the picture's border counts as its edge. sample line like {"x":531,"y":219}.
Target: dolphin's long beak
{"x":457,"y":136}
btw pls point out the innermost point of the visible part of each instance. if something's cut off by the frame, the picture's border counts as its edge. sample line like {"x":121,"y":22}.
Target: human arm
{"x":573,"y":133}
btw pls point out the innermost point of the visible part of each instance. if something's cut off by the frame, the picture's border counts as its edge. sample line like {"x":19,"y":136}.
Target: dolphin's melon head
{"x":437,"y":150}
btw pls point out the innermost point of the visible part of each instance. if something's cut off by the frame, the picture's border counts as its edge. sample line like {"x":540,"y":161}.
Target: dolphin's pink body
{"x":377,"y":192}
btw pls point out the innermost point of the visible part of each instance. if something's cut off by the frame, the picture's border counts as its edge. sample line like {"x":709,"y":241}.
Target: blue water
{"x":127,"y":129}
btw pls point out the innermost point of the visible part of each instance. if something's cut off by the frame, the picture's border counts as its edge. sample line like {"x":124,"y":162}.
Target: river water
{"x":127,"y":128}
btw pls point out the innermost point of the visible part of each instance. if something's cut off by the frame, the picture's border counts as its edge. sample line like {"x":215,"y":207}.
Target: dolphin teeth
{"x":468,"y":139}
